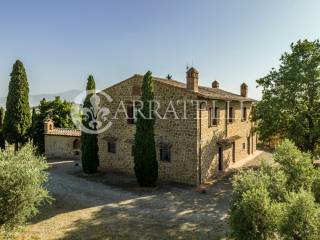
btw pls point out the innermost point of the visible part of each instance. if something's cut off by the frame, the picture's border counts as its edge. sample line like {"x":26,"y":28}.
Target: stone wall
{"x":180,"y":134}
{"x":238,"y":129}
{"x":61,"y":147}
{"x":194,"y":151}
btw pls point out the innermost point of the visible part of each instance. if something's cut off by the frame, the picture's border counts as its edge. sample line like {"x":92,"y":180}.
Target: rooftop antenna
{"x":187,"y":66}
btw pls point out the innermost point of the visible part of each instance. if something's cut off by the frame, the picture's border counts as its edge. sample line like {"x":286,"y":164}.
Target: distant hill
{"x":34,"y":100}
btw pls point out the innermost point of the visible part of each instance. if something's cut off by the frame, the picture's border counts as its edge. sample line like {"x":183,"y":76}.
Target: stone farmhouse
{"x":61,"y":143}
{"x":208,"y":138}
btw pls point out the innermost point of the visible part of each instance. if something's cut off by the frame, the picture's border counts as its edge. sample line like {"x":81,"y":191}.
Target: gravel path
{"x":91,"y":210}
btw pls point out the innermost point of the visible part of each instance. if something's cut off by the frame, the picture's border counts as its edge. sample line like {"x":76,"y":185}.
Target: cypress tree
{"x":2,"y":140}
{"x":17,"y":119}
{"x":89,"y":142}
{"x":145,"y":158}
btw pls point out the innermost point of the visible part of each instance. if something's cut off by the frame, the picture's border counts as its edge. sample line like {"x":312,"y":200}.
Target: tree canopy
{"x":89,"y":141}
{"x":17,"y":120}
{"x":56,"y":110}
{"x":291,"y":97}
{"x":145,"y":158}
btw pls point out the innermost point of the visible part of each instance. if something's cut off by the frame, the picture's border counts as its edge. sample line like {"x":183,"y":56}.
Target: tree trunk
{"x":16,"y":146}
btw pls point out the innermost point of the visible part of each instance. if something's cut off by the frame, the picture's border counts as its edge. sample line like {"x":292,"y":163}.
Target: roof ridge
{"x":215,"y":93}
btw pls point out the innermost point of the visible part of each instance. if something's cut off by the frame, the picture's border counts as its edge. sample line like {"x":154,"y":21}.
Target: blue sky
{"x":61,"y":42}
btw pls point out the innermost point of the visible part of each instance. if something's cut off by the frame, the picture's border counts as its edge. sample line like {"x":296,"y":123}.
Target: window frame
{"x":161,"y":153}
{"x":244,"y":114}
{"x":214,"y":116}
{"x":112,"y":147}
{"x":231,"y":114}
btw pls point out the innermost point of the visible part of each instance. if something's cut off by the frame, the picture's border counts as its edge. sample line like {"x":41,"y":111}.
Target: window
{"x":112,"y":147}
{"x":76,"y":144}
{"x":165,"y":153}
{"x":243,"y":146}
{"x":244,"y":114}
{"x":230,"y":117}
{"x":214,"y":116}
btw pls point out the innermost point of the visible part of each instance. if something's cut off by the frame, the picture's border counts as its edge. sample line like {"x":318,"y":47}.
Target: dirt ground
{"x":91,"y":208}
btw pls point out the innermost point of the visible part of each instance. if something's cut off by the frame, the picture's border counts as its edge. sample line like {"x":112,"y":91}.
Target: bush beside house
{"x":22,"y":176}
{"x":280,"y":201}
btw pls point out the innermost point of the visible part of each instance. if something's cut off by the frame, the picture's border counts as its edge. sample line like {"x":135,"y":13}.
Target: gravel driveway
{"x":91,"y":210}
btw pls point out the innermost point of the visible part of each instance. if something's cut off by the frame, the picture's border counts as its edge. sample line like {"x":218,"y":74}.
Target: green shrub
{"x":302,"y":218}
{"x":255,"y":216}
{"x":277,"y":201}
{"x":22,"y":177}
{"x":277,"y":182}
{"x":247,"y":180}
{"x":297,"y":166}
{"x":270,"y":178}
{"x":316,"y":186}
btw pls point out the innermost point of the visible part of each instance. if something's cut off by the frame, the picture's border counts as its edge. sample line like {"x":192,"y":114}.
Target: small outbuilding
{"x":61,"y":142}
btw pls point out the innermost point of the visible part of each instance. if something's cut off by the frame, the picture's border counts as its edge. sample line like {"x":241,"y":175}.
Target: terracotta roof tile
{"x":207,"y":92}
{"x":65,"y":132}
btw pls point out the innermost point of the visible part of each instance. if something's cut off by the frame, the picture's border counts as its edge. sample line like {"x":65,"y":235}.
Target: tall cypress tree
{"x":17,"y":119}
{"x":89,"y":142}
{"x":2,"y":140}
{"x":145,"y":158}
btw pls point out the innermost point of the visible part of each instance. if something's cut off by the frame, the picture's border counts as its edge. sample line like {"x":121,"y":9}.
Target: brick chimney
{"x":192,"y":79}
{"x":48,"y":126}
{"x":215,"y":84}
{"x":244,"y":90}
